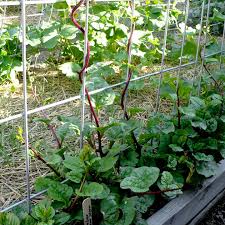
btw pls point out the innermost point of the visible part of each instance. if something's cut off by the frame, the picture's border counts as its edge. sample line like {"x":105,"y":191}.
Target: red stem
{"x":83,"y":70}
{"x":50,"y":127}
{"x":159,"y":192}
{"x":124,"y":92}
{"x":178,"y":110}
{"x":39,"y":157}
{"x":128,"y":77}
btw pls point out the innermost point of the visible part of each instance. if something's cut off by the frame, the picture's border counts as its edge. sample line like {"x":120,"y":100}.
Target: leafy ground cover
{"x":137,"y":162}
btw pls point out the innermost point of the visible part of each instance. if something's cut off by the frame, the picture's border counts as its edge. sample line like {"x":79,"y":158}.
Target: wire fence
{"x":204,"y":23}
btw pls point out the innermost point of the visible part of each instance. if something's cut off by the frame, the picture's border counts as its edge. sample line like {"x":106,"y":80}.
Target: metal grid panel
{"x":177,"y":69}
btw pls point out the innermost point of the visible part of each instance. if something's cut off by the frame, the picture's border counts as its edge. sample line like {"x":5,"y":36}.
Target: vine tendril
{"x":83,"y":70}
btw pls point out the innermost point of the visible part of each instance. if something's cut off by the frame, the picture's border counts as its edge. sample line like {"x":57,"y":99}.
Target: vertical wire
{"x":222,"y":45}
{"x":84,"y":77}
{"x":186,"y":8}
{"x":163,"y":55}
{"x":132,"y":28}
{"x":198,"y":45}
{"x":24,"y":60}
{"x":204,"y":49}
{"x":2,"y":20}
{"x":43,"y":10}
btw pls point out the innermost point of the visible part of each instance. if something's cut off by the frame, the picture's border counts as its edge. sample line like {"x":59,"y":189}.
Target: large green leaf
{"x":207,"y":169}
{"x":93,"y":190}
{"x":69,"y":31}
{"x":197,"y":102}
{"x":44,"y":211}
{"x":110,"y":209}
{"x":167,"y":127}
{"x":167,"y":182}
{"x":211,"y":125}
{"x":128,"y":209}
{"x":61,"y":218}
{"x":140,"y":179}
{"x":188,"y":111}
{"x":60,"y":192}
{"x":176,"y":148}
{"x":144,"y":202}
{"x":75,"y":175}
{"x":50,"y":35}
{"x":103,"y":98}
{"x":198,"y":122}
{"x":222,"y":152}
{"x":70,"y":69}
{"x":218,"y":16}
{"x":74,"y":163}
{"x":203,"y":157}
{"x":106,"y":163}
{"x":9,"y":219}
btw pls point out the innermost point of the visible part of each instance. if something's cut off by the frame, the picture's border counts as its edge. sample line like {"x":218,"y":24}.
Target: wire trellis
{"x":177,"y":69}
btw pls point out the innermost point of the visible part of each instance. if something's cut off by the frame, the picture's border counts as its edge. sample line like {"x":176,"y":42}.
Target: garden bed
{"x":190,"y":207}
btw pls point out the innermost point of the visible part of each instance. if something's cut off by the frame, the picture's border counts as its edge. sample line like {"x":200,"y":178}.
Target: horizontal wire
{"x":38,"y":2}
{"x":33,"y":196}
{"x":16,"y":17}
{"x":68,"y":100}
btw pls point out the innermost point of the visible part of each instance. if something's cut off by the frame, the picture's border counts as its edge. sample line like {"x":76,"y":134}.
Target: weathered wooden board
{"x":189,"y":207}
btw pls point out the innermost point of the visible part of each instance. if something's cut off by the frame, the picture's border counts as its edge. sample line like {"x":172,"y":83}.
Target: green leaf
{"x":109,"y":208}
{"x":60,"y":192}
{"x":116,"y":149}
{"x":93,"y":190}
{"x":42,"y":183}
{"x":130,"y":159}
{"x":128,"y":209}
{"x":9,"y":219}
{"x":144,"y":202}
{"x":222,"y":152}
{"x":188,"y":111}
{"x":50,"y":35}
{"x":167,"y":182}
{"x":197,"y":102}
{"x":203,"y":157}
{"x":70,"y":69}
{"x":74,"y":163}
{"x":140,"y":179}
{"x":176,"y":148}
{"x":140,"y":221}
{"x":33,"y":38}
{"x":168,"y":127}
{"x":53,"y":159}
{"x":199,"y":123}
{"x":75,"y":175}
{"x":211,"y":125}
{"x":166,"y":178}
{"x":69,"y":31}
{"x":106,"y":163}
{"x":223,"y":118}
{"x":68,"y":128}
{"x":207,"y":169}
{"x":62,"y":218}
{"x":103,"y":98}
{"x":126,"y":171}
{"x":44,"y":211}
{"x":218,"y":16}
{"x":172,"y":162}
{"x":27,"y":220}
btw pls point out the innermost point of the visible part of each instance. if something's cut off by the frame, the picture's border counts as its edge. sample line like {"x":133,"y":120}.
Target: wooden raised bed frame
{"x":189,"y":208}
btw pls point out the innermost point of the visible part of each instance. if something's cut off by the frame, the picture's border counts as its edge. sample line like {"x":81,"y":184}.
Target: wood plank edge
{"x":168,"y":214}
